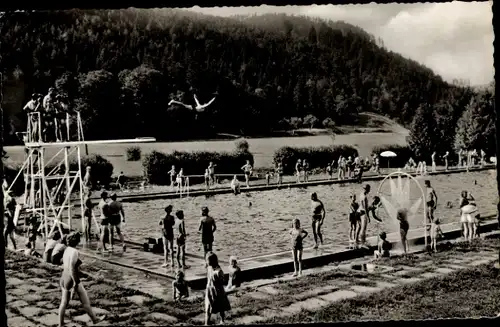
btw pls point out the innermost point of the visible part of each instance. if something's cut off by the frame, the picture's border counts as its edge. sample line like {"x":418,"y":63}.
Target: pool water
{"x":258,"y":223}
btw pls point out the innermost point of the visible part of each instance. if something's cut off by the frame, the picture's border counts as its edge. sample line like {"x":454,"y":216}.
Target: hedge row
{"x":101,"y":169}
{"x":157,"y":164}
{"x":317,"y":157}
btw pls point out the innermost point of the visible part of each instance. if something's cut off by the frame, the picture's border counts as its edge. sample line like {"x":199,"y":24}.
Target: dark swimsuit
{"x":168,"y":227}
{"x":404,"y":226}
{"x":297,"y":241}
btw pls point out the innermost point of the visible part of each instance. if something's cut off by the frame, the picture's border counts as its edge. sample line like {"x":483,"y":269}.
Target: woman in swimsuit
{"x":247,"y":169}
{"x":468,"y":210}
{"x":298,"y":235}
{"x":298,"y":169}
{"x":70,"y":280}
{"x":318,"y":217}
{"x":207,"y":179}
{"x":353,"y":218}
{"x":305,"y":169}
{"x":181,"y":241}
{"x":431,"y":203}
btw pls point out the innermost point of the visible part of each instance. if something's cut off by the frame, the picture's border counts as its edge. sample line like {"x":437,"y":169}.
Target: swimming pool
{"x":258,"y":224}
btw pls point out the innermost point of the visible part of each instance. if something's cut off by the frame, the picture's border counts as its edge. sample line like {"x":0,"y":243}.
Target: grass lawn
{"x":364,"y":137}
{"x":466,"y":293}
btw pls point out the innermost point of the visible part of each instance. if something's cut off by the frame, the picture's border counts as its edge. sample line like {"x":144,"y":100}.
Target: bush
{"x":403,"y":154}
{"x":157,"y":164}
{"x":101,"y":170}
{"x":242,"y":145}
{"x":134,"y":153}
{"x":328,"y":123}
{"x":318,"y":157}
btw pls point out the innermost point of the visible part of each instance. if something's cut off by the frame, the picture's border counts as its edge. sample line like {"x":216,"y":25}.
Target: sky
{"x":454,"y":39}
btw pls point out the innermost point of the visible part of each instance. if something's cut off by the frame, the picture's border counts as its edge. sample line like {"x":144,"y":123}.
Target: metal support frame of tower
{"x":48,"y":190}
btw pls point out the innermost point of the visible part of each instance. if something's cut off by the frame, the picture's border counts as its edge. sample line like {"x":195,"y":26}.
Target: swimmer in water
{"x":431,"y":202}
{"x":247,"y":169}
{"x":298,"y":235}
{"x":318,"y":217}
{"x":70,"y":280}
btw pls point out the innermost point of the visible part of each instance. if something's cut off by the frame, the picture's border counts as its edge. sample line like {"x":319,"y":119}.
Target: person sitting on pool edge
{"x":235,"y":185}
{"x":180,"y":287}
{"x":234,"y":280}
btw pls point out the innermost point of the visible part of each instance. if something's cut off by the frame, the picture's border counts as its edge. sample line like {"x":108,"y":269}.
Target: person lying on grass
{"x":180,"y":287}
{"x":29,"y":251}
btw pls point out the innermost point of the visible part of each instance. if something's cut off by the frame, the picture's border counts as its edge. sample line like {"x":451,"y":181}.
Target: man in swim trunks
{"x":364,"y":214}
{"x":431,"y":202}
{"x":104,"y":209}
{"x":318,"y":217}
{"x":167,"y":228}
{"x":34,"y":105}
{"x":116,"y":217}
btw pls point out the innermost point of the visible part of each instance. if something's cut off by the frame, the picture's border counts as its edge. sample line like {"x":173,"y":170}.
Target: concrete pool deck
{"x":199,"y":191}
{"x":265,"y":266}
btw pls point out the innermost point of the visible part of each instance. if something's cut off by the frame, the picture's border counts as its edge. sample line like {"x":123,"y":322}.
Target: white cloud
{"x":454,"y":39}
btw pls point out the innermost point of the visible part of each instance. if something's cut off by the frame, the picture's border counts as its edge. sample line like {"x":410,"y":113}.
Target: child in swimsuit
{"x":384,"y":247}
{"x":354,"y":218}
{"x":33,"y":226}
{"x":180,"y":287}
{"x":181,"y":241}
{"x":404,"y":226}
{"x":234,"y":275}
{"x":435,"y":234}
{"x":70,"y":280}
{"x":167,"y":228}
{"x":235,"y":185}
{"x":298,"y":234}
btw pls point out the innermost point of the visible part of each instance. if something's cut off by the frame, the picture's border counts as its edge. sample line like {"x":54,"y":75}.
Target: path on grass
{"x":33,"y":294}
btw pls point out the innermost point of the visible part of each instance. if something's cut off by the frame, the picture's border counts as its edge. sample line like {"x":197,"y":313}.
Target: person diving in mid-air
{"x":198,"y":107}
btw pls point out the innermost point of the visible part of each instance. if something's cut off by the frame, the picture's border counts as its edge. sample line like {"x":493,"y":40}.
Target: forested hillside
{"x":120,"y":68}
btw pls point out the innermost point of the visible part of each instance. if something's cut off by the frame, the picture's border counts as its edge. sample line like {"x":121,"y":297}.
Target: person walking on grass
{"x":207,"y":229}
{"x":167,"y":228}
{"x":70,"y":280}
{"x":318,"y":217}
{"x":216,"y":300}
{"x":298,"y":234}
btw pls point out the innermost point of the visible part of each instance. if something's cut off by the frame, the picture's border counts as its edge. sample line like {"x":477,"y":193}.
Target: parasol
{"x":388,"y":154}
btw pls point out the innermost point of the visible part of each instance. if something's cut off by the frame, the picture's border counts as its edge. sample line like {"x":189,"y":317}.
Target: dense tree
{"x":476,"y":128}
{"x":125,"y":65}
{"x":423,"y":132}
